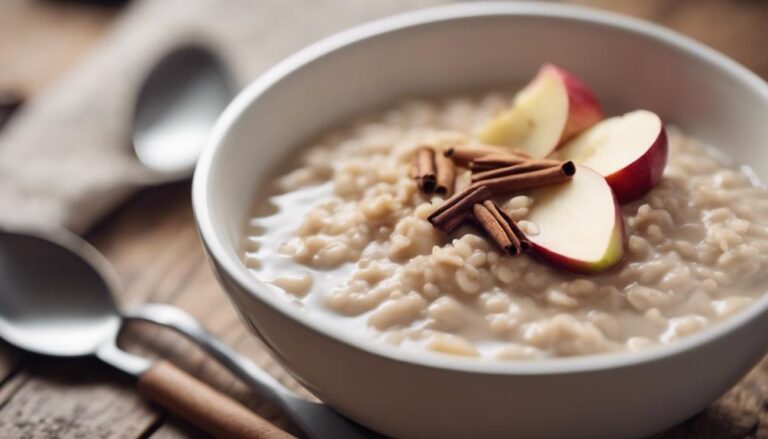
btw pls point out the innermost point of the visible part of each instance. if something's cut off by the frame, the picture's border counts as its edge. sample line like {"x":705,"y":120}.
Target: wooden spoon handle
{"x":203,"y":406}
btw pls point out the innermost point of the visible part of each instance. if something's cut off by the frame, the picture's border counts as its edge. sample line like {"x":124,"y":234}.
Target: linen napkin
{"x":66,"y":160}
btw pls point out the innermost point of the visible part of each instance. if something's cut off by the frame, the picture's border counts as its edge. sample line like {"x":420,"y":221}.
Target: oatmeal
{"x":345,"y":235}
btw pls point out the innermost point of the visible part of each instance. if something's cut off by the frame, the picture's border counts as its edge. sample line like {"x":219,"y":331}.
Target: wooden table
{"x":152,"y":243}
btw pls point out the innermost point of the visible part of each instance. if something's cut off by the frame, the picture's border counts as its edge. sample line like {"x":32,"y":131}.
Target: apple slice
{"x":580,"y":227}
{"x":551,"y":109}
{"x":630,"y":151}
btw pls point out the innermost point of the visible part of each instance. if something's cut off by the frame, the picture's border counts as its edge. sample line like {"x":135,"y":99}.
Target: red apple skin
{"x":638,"y":178}
{"x":584,"y":110}
{"x":565,"y":263}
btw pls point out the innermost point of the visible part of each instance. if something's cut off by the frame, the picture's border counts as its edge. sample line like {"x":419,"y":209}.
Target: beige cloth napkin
{"x":66,"y":159}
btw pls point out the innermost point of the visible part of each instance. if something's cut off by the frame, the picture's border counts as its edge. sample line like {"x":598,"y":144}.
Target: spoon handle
{"x":169,"y":316}
{"x":203,"y":406}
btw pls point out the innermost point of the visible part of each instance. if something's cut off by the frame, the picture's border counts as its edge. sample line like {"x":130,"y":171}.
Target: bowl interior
{"x":629,"y":64}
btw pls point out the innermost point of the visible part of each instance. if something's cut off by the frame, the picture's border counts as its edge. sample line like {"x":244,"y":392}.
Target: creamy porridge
{"x":344,"y":234}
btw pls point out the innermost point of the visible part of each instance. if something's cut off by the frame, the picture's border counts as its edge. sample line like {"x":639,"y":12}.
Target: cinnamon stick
{"x":424,"y":169}
{"x":521,"y":168}
{"x":414,"y":171}
{"x":530,"y":180}
{"x":464,"y":155}
{"x":457,"y":208}
{"x":497,"y":230}
{"x":494,"y":161}
{"x":519,"y":152}
{"x":446,"y":175}
{"x":10,"y":102}
{"x":509,"y":225}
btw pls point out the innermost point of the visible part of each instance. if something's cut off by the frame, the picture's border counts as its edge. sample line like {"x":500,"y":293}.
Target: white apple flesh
{"x":580,"y":227}
{"x":551,"y":109}
{"x":630,"y":151}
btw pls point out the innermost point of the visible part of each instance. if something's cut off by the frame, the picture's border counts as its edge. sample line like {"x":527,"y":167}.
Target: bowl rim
{"x":238,"y":273}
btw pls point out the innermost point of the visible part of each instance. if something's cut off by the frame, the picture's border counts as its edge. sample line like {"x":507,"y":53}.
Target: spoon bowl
{"x":176,"y":107}
{"x":52,"y":295}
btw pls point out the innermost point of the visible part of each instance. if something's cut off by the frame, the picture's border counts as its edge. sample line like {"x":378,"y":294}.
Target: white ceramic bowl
{"x":630,"y":64}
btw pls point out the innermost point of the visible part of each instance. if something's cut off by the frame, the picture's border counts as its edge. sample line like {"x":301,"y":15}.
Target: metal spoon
{"x":176,"y":107}
{"x":55,"y":300}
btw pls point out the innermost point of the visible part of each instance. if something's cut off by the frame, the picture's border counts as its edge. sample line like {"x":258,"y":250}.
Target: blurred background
{"x":41,"y":39}
{"x":70,"y":73}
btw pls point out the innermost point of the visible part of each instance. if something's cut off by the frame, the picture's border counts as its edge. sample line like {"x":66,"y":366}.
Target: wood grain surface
{"x":152,"y":242}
